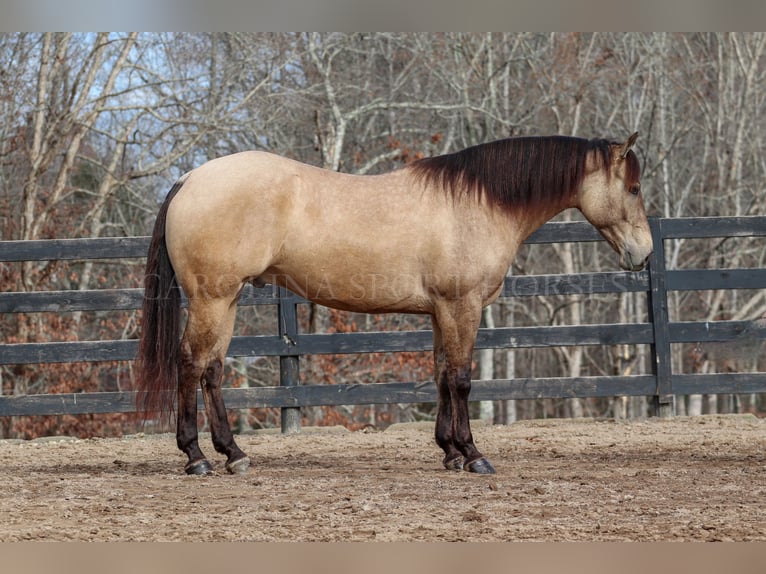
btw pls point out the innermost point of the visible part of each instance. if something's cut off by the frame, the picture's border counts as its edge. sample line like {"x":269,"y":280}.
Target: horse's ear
{"x":625,"y":148}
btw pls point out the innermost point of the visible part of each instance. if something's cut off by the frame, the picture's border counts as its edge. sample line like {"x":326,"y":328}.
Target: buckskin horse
{"x":435,"y":237}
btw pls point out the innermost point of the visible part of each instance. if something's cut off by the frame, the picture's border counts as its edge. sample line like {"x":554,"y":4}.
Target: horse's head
{"x":610,"y":198}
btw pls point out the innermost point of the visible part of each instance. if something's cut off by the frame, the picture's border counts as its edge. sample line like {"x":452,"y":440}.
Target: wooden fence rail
{"x":289,"y":344}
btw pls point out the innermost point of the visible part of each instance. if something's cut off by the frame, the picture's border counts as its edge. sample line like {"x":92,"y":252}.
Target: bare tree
{"x":94,"y":127}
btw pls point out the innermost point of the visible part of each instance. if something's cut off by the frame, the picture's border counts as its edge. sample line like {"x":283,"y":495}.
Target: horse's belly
{"x":359,"y":291}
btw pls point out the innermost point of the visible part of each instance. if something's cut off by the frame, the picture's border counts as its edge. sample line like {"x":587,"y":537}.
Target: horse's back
{"x":356,"y":242}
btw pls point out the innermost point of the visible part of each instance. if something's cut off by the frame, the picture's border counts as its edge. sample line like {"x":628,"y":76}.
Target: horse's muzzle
{"x":631,"y":262}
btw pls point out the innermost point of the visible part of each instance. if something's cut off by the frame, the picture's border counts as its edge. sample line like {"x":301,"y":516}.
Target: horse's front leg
{"x":453,"y":458}
{"x":457,"y":324}
{"x":459,"y":380}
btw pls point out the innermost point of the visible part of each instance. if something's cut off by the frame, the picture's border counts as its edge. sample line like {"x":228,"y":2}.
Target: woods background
{"x":94,"y":128}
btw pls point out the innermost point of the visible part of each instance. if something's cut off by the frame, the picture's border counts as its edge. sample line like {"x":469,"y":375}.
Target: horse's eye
{"x":634,"y":189}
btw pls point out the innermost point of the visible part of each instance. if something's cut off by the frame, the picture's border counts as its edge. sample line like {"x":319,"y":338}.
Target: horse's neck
{"x":530,"y":220}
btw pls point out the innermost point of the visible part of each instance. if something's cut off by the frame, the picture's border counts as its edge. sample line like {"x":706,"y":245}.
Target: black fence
{"x":289,"y":344}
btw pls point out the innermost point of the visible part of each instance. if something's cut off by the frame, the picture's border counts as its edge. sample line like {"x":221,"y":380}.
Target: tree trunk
{"x":487,"y":368}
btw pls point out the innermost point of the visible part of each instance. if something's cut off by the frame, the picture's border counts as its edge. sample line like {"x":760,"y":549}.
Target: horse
{"x":434,"y":237}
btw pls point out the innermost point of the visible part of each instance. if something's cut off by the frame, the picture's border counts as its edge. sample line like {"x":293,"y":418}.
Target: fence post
{"x":288,"y":364}
{"x":662,"y":369}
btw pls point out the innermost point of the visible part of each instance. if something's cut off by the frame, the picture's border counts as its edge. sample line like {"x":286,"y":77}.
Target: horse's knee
{"x":463,"y":386}
{"x":462,"y":381}
{"x":213,"y":374}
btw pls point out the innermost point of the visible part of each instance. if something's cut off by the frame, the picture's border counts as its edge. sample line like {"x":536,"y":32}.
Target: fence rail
{"x":289,"y":344}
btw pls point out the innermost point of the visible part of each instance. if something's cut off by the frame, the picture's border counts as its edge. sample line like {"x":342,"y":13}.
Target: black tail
{"x":158,"y":349}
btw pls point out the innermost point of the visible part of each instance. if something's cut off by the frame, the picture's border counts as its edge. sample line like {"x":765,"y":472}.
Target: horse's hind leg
{"x":186,"y":425}
{"x":223,"y":440}
{"x":203,"y":349}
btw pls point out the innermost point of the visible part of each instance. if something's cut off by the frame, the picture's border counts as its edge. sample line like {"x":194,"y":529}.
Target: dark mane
{"x":516,"y":173}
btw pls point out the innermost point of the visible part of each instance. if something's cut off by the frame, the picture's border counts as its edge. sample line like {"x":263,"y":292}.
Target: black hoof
{"x":454,"y":463}
{"x":480,"y":466}
{"x":199,"y":467}
{"x":238,"y":466}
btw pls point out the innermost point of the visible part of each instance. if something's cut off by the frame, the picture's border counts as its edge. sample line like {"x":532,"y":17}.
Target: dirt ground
{"x":698,"y":478}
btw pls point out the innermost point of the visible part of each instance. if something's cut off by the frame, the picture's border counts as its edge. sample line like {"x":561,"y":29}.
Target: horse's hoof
{"x":239,"y":466}
{"x":454,"y":463}
{"x":199,"y":467}
{"x":480,"y":466}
